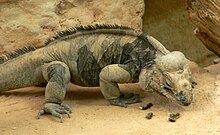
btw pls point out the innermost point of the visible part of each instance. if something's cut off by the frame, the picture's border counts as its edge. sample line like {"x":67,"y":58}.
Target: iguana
{"x":98,"y":55}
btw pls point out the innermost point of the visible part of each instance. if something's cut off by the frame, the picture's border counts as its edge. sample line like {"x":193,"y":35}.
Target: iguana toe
{"x":118,"y":102}
{"x":67,"y":107}
{"x":41,"y":112}
{"x":57,"y":114}
{"x":55,"y":110}
{"x":132,"y":98}
{"x":63,"y":111}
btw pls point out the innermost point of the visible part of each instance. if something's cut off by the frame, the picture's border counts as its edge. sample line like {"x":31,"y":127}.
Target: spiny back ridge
{"x":74,"y":30}
{"x":16,"y":53}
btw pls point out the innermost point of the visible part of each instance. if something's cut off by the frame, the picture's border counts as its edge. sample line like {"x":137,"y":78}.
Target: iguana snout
{"x":178,"y":87}
{"x":170,"y":77}
{"x":184,"y":98}
{"x":177,"y":78}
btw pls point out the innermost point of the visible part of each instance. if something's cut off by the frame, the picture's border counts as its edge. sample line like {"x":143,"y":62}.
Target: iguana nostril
{"x":183,"y":99}
{"x":181,"y":96}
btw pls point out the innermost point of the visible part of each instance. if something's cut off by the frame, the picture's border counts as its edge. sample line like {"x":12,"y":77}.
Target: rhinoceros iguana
{"x":98,"y":55}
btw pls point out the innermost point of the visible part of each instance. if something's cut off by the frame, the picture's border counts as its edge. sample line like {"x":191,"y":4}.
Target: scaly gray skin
{"x":100,"y":55}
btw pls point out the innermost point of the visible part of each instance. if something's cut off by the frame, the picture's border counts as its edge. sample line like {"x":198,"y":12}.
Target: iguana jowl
{"x":100,"y":55}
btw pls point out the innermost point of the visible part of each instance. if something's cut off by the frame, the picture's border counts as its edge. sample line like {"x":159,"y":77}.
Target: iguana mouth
{"x":179,"y":97}
{"x":168,"y":88}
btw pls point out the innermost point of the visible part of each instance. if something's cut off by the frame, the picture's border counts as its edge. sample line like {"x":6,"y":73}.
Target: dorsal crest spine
{"x":74,"y":30}
{"x":16,"y":53}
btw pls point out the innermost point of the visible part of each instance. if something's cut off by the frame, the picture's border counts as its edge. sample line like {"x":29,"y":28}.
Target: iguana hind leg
{"x":109,"y":77}
{"x":58,"y":75}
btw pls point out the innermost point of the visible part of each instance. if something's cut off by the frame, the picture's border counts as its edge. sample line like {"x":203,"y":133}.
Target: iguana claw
{"x":124,"y":100}
{"x":55,"y":110}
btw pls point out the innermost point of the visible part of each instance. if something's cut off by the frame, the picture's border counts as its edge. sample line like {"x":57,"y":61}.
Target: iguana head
{"x":170,"y":77}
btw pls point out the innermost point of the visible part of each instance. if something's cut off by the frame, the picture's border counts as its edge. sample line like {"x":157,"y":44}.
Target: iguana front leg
{"x":58,"y":75}
{"x":109,"y":77}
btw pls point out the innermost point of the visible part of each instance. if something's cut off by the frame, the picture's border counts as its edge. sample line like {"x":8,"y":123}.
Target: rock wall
{"x":24,"y":22}
{"x":168,"y":21}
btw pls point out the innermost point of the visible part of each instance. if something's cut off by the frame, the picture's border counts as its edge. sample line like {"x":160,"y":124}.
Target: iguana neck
{"x":151,"y":78}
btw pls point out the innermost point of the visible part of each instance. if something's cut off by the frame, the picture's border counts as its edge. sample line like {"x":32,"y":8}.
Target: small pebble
{"x":145,"y":107}
{"x":149,"y":115}
{"x":173,"y":117}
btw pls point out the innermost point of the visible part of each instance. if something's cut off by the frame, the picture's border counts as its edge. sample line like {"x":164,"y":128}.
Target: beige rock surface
{"x":30,"y":22}
{"x":25,"y":22}
{"x":168,"y":21}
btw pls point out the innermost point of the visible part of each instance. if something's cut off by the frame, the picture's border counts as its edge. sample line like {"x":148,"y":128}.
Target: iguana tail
{"x":21,"y":71}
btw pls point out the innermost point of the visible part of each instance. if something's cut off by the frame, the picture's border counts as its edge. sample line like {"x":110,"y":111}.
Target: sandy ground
{"x":93,"y":115}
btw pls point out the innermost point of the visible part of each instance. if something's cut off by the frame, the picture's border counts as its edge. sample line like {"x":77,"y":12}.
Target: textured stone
{"x":168,"y":21}
{"x":31,"y":22}
{"x":24,"y":22}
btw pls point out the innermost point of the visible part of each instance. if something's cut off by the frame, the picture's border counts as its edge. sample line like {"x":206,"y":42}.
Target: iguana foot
{"x":124,"y":100}
{"x":55,"y":110}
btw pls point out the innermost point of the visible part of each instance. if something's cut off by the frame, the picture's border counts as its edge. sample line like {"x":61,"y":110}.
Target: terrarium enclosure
{"x":189,"y":26}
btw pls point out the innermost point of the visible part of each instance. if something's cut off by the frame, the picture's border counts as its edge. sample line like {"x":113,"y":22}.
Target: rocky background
{"x":31,"y":22}
{"x":168,"y":21}
{"x":24,"y":22}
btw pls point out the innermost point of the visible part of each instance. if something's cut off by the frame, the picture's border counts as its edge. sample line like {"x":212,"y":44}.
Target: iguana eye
{"x":180,"y":71}
{"x":168,"y":82}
